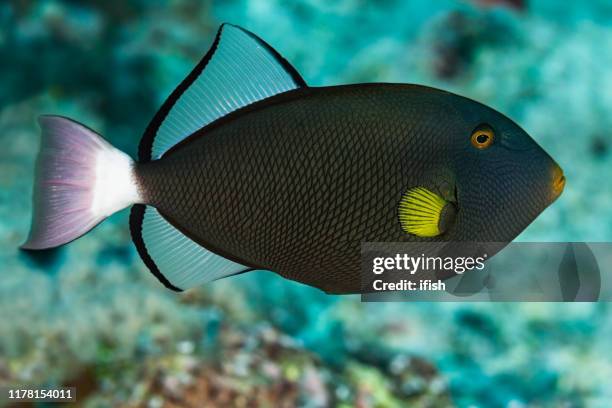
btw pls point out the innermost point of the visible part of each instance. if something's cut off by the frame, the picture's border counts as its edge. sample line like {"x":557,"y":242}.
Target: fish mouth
{"x":558,"y":182}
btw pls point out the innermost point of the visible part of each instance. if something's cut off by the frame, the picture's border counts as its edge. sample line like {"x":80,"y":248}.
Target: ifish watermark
{"x":404,"y":284}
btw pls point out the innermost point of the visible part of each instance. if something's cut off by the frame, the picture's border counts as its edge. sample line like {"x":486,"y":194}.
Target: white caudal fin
{"x":80,"y":180}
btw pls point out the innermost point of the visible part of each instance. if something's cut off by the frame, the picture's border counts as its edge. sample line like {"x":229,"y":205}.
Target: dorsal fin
{"x":239,"y":69}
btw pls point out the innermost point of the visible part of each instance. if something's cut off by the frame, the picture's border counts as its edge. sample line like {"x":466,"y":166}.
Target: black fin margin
{"x":295,"y":75}
{"x":146,"y":143}
{"x":136,"y":217}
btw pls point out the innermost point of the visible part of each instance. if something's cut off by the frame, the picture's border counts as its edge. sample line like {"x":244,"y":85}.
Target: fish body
{"x":295,"y":181}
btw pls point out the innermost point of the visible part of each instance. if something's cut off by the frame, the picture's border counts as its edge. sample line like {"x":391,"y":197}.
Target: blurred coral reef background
{"x":90,"y":315}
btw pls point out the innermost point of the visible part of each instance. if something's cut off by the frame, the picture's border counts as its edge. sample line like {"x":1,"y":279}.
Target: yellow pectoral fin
{"x":420,"y":211}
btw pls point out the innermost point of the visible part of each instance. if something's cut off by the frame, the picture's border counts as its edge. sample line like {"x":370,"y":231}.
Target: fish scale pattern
{"x":296,"y":183}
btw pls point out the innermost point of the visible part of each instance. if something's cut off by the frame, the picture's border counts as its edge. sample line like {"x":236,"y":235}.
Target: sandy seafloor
{"x":90,"y":314}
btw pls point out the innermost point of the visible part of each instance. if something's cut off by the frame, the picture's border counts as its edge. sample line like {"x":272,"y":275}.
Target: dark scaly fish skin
{"x":295,"y":183}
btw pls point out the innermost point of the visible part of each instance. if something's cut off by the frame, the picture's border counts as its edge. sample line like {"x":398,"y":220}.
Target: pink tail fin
{"x":80,"y":180}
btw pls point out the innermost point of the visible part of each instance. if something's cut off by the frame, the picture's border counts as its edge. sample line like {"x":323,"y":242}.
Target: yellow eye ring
{"x":482,"y":137}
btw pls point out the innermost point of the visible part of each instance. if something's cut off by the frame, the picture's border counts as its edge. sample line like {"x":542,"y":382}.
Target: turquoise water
{"x":91,"y":315}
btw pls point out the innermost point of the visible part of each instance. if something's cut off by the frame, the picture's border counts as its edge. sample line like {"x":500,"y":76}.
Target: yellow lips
{"x":558,"y":182}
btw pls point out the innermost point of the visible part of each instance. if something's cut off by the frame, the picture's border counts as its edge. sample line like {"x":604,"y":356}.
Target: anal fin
{"x":175,"y":259}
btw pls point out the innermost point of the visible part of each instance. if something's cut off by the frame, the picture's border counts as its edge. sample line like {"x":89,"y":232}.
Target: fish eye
{"x":482,"y":137}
